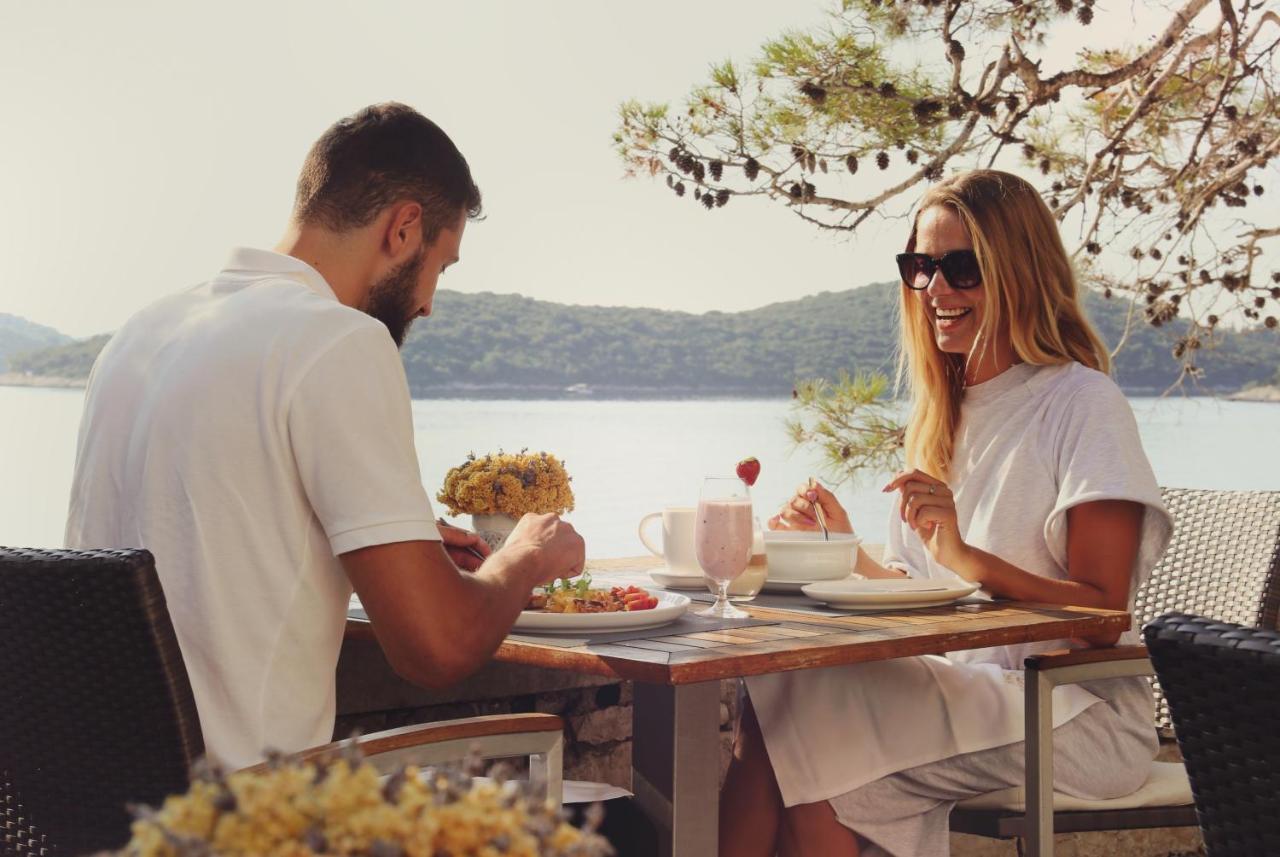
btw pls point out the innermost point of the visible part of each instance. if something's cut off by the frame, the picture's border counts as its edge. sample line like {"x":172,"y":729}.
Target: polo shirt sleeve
{"x":350,"y":426}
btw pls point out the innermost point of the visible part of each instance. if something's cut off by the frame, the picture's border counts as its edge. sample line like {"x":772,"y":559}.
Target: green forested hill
{"x":17,"y":335}
{"x":507,"y":345}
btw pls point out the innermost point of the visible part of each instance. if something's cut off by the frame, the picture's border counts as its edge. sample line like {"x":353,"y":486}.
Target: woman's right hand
{"x":797,"y":513}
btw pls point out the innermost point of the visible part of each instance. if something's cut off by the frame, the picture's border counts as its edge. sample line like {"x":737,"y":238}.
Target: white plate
{"x":674,"y":580}
{"x":671,"y":606}
{"x":789,"y":586}
{"x":877,"y":594}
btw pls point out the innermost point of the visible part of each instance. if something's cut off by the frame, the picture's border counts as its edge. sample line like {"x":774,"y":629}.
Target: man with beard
{"x":254,"y":433}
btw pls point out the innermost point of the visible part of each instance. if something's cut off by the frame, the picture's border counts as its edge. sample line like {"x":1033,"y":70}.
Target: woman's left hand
{"x":928,"y":507}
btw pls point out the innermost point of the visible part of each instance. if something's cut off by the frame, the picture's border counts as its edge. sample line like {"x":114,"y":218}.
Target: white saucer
{"x":789,"y":586}
{"x":668,"y":579}
{"x":880,"y":594}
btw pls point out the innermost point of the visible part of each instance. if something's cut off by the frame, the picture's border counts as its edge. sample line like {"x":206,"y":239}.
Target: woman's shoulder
{"x":1074,"y":385}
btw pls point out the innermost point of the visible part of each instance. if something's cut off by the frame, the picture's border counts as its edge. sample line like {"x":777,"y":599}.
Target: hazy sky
{"x":143,"y":139}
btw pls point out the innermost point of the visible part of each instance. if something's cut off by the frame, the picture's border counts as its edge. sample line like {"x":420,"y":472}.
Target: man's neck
{"x":340,"y":259}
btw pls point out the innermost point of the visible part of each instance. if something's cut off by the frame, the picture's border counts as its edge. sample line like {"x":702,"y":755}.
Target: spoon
{"x":817,"y":512}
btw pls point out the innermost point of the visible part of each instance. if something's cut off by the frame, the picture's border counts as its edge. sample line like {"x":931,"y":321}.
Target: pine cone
{"x":882,"y":160}
{"x":679,"y":188}
{"x":699,"y":171}
{"x":814,"y":93}
{"x":913,"y":156}
{"x":722,"y":197}
{"x":955,"y":109}
{"x":716,"y":168}
{"x":1085,"y":15}
{"x":955,"y":50}
{"x":1093,"y":248}
{"x":1064,"y":6}
{"x":751,"y":169}
{"x":708,"y":201}
{"x":851,"y":164}
{"x":888,"y":90}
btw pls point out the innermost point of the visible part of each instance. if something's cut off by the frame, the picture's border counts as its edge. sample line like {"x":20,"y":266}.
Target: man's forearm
{"x":484,"y":606}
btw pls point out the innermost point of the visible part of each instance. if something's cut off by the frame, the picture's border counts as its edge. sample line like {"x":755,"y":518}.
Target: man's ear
{"x":403,"y":230}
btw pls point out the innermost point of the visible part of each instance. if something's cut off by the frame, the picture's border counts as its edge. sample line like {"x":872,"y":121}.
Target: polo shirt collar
{"x":254,"y":261}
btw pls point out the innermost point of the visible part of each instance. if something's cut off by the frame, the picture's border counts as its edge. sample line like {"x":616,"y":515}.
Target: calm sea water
{"x":629,"y":458}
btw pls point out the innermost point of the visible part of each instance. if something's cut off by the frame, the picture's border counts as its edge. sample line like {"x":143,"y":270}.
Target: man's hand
{"x":467,"y":550}
{"x":554,"y":546}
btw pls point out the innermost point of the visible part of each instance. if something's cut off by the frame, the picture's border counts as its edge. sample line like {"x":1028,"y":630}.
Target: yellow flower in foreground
{"x":335,"y":807}
{"x":508,"y":484}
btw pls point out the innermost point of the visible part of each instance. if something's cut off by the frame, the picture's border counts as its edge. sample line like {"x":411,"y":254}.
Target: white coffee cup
{"x":678,"y":549}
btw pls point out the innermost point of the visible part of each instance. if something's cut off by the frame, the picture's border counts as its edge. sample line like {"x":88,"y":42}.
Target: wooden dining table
{"x":676,"y":714}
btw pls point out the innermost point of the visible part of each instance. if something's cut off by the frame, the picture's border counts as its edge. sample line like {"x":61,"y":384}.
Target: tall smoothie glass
{"x":722,"y":535}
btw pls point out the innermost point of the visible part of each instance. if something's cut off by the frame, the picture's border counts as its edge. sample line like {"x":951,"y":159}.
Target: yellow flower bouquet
{"x":343,"y":807}
{"x":497,"y":489}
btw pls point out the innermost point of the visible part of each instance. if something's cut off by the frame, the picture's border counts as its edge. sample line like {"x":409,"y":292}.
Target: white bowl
{"x":807,"y":556}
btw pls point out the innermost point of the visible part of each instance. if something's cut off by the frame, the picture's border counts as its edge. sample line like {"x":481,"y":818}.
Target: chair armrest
{"x":474,"y":729}
{"x":538,"y":736}
{"x":1062,"y":658}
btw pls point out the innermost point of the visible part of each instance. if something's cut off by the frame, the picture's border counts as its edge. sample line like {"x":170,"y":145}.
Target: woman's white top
{"x":1032,"y":443}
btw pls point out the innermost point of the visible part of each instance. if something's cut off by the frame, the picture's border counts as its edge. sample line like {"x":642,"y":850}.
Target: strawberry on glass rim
{"x":749,"y":470}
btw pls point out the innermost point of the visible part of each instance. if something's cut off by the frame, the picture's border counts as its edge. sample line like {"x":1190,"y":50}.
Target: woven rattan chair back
{"x":1223,"y":685}
{"x":96,"y":709}
{"x":1223,"y":562}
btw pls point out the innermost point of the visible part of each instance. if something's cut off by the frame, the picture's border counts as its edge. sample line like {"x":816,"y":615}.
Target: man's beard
{"x":391,"y":301}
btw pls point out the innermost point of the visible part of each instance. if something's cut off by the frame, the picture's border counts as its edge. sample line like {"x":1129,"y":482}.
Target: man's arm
{"x":438,"y":624}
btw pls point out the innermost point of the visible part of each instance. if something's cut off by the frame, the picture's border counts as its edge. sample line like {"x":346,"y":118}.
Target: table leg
{"x":675,"y":764}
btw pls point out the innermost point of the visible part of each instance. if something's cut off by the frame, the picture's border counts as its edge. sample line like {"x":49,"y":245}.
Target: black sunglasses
{"x":960,"y":267}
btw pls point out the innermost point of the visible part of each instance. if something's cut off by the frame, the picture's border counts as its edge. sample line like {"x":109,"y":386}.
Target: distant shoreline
{"x":497,"y":392}
{"x":19,"y":379}
{"x":1264,"y":393}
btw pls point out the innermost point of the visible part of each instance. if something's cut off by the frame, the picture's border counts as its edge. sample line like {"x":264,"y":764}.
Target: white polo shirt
{"x":247,"y":432}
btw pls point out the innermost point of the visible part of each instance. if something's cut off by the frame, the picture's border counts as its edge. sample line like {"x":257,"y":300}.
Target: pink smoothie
{"x":723,"y":537}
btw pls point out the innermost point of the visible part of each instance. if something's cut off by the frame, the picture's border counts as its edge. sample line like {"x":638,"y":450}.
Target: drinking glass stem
{"x":722,"y":597}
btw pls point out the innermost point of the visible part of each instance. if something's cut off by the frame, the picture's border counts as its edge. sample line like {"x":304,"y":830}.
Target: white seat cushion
{"x":1167,"y":785}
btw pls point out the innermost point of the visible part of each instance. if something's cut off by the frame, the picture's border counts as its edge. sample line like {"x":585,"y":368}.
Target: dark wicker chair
{"x":1222,"y":682}
{"x":1223,"y":561}
{"x":96,"y":708}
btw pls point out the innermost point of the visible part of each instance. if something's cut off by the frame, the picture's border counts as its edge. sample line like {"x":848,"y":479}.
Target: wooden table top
{"x":804,"y":641}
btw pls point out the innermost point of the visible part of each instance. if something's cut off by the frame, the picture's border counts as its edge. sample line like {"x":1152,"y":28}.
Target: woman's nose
{"x":938,"y":284}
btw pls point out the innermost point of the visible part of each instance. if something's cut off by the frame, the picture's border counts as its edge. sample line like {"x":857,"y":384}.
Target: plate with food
{"x":577,"y":605}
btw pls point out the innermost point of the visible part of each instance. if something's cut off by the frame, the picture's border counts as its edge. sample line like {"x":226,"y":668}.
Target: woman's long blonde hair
{"x":1027,"y":284}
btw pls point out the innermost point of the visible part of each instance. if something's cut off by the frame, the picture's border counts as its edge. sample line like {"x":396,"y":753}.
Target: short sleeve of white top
{"x":1032,"y":443}
{"x":247,"y":432}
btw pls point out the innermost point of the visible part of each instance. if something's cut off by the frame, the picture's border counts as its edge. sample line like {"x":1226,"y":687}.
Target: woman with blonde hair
{"x":1025,"y":474}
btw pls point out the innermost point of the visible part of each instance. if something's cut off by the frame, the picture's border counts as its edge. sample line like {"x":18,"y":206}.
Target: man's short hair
{"x":384,"y":154}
